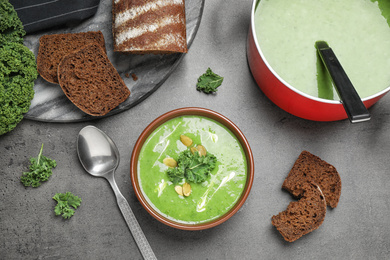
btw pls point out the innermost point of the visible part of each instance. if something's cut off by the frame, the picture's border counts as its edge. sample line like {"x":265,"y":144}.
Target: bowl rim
{"x":259,"y":50}
{"x":188,"y":111}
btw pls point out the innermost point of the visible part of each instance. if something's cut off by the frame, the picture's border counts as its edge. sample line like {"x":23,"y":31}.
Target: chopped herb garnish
{"x":192,"y":167}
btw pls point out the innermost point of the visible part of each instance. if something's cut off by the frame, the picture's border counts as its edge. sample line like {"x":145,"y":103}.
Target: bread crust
{"x":141,"y":26}
{"x":91,"y":82}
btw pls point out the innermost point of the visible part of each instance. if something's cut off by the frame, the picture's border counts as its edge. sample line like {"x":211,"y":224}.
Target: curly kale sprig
{"x":192,"y":167}
{"x":66,"y":203}
{"x":11,"y":28}
{"x":17,"y":74}
{"x":18,"y":70}
{"x":209,"y":82}
{"x":40,"y":170}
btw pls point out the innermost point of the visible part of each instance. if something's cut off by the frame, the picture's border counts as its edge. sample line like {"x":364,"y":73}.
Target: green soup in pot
{"x":357,"y":30}
{"x":208,"y":200}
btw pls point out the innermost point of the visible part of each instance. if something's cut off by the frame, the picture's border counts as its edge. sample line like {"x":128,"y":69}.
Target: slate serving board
{"x":51,"y":105}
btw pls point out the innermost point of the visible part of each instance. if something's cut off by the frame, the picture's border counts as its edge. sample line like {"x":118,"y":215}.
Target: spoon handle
{"x":353,"y":105}
{"x":132,"y":223}
{"x":135,"y":228}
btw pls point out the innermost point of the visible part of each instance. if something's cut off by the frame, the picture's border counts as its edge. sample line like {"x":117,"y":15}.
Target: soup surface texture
{"x":208,"y":200}
{"x":356,"y":30}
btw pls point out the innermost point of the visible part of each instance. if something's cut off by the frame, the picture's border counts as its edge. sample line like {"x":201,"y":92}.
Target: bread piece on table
{"x":52,"y":48}
{"x":303,"y":216}
{"x":149,"y":26}
{"x":312,"y":168}
{"x":91,"y":82}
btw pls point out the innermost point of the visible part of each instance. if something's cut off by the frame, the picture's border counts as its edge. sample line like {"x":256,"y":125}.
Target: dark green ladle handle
{"x":353,"y":105}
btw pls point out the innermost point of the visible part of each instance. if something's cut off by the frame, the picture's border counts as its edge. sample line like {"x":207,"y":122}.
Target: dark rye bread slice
{"x":312,"y":168}
{"x":52,"y":48}
{"x":142,"y":26}
{"x":91,"y":82}
{"x":303,"y":216}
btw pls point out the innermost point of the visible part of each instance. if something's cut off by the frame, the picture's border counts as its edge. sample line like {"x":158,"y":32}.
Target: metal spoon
{"x":353,"y":105}
{"x":100,"y":157}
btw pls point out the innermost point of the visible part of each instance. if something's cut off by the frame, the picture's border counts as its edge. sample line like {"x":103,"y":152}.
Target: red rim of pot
{"x":184,"y":112}
{"x":286,"y":96}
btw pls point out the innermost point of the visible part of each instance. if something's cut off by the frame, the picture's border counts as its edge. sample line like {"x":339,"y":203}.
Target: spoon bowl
{"x":97,"y":152}
{"x":99,"y":156}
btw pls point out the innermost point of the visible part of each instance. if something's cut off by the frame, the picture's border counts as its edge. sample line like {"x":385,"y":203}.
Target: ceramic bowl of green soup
{"x":192,"y":168}
{"x":285,"y":64}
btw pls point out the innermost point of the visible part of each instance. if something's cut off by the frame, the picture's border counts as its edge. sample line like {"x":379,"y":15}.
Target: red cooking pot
{"x":286,"y":96}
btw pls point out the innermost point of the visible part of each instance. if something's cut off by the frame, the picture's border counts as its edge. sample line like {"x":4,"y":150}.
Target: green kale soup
{"x":209,"y":199}
{"x":357,"y":30}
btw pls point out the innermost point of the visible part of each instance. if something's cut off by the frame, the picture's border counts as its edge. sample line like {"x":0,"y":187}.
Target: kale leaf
{"x":192,"y":167}
{"x":209,"y":82}
{"x":18,"y":70}
{"x":40,"y":170}
{"x":11,"y":27}
{"x":66,"y":203}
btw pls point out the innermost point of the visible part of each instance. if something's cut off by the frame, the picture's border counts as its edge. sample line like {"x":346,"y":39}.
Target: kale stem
{"x":40,"y":154}
{"x":195,"y":166}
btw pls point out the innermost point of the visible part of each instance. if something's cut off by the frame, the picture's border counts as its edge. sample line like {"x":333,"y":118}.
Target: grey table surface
{"x":359,"y":228}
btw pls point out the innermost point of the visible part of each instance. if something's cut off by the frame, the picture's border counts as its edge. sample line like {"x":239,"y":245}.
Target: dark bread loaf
{"x":141,"y":26}
{"x":312,"y":168}
{"x":52,"y":48}
{"x":303,"y":216}
{"x":91,"y":82}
